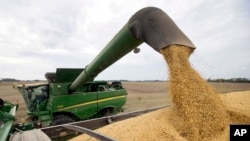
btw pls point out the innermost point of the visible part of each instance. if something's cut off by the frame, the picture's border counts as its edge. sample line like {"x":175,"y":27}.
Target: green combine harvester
{"x":73,"y":95}
{"x":55,"y":103}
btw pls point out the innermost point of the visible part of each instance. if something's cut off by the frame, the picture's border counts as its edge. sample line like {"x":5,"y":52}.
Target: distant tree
{"x":9,"y":80}
{"x":240,"y":80}
{"x":233,"y":80}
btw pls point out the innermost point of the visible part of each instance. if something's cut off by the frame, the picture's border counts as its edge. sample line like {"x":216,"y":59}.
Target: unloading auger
{"x":150,"y":25}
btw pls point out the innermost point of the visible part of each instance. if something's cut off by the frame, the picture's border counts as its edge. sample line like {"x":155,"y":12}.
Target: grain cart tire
{"x":62,"y":119}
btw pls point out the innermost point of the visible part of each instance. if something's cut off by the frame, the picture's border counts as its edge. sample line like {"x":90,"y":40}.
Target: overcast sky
{"x":38,"y":36}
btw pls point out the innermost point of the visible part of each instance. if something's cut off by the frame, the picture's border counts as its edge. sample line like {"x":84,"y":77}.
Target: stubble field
{"x":141,"y":95}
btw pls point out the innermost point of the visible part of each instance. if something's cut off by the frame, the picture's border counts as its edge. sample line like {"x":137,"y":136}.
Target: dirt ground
{"x":141,"y":95}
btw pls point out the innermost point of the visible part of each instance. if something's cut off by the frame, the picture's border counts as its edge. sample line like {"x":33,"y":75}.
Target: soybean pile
{"x":197,"y":112}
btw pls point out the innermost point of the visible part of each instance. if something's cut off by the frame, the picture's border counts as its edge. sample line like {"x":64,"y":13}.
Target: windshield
{"x":33,"y":96}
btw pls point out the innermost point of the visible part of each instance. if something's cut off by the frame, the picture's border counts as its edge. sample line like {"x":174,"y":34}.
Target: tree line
{"x":232,"y":80}
{"x":16,"y":80}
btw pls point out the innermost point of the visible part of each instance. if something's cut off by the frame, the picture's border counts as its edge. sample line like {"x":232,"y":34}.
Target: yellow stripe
{"x":91,"y":102}
{"x":111,"y":98}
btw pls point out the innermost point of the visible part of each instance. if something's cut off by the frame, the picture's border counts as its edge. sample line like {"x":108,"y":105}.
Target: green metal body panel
{"x":5,"y":130}
{"x":45,"y":120}
{"x":111,"y":99}
{"x":81,"y":105}
{"x":87,"y":101}
{"x":66,"y":75}
{"x":7,"y":117}
{"x":25,"y":126}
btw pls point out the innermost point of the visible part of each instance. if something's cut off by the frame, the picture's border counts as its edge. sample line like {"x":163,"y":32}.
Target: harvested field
{"x":142,"y":95}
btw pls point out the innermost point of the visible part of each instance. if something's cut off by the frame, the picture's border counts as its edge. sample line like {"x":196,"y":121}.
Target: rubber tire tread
{"x":62,"y":119}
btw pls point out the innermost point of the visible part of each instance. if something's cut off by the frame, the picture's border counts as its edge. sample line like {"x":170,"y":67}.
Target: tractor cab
{"x":35,"y":96}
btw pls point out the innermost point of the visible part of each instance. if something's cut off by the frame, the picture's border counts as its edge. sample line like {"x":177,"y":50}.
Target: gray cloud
{"x":39,"y":36}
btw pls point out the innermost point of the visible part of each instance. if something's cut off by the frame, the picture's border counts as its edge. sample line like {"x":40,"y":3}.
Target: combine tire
{"x":62,"y":119}
{"x":107,"y":113}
